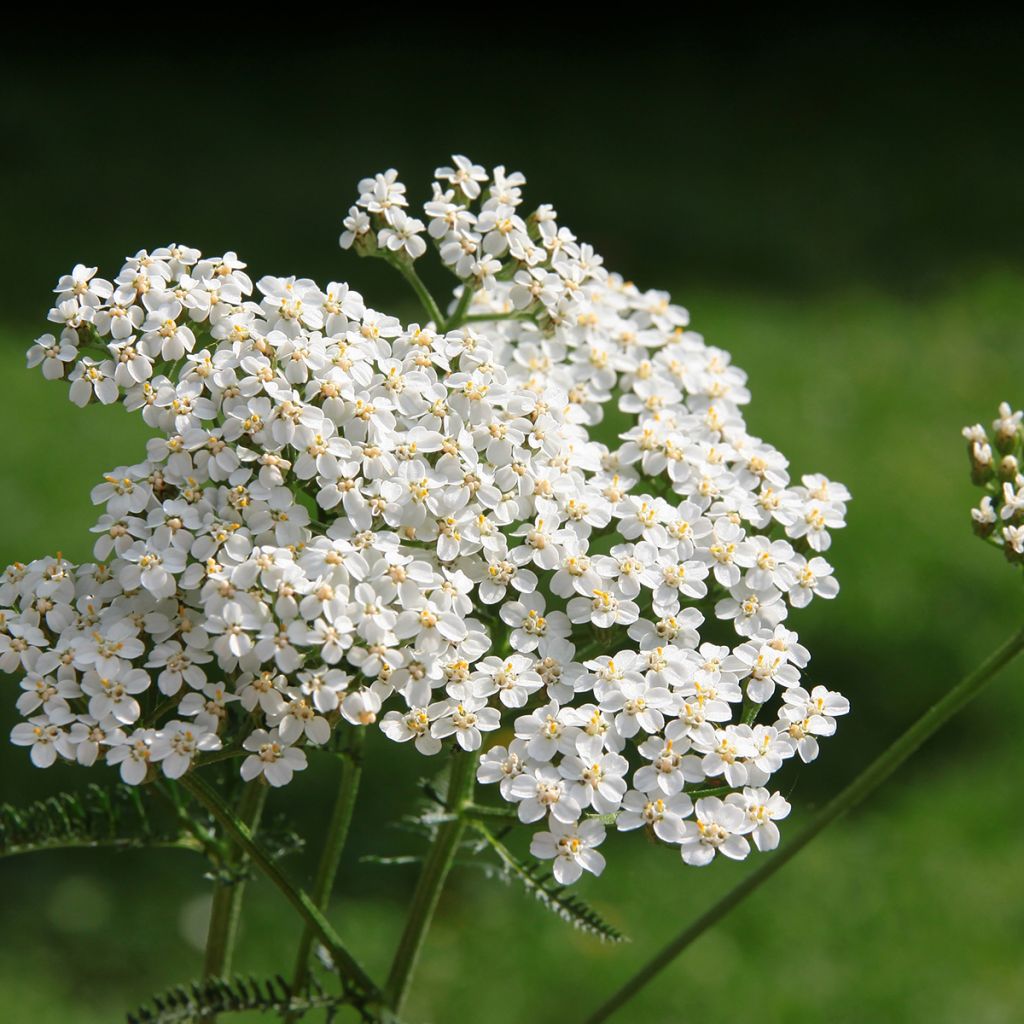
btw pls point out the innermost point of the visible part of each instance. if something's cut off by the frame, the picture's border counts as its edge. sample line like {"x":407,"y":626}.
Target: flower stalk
{"x":430,"y":306}
{"x":229,"y":892}
{"x":330,"y":857}
{"x":432,"y":878}
{"x":227,"y":896}
{"x":862,"y":786}
{"x":458,"y":316}
{"x":346,"y":963}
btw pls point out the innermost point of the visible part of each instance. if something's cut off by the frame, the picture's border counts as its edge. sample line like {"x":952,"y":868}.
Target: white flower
{"x":178,"y":744}
{"x":719,"y":828}
{"x":44,"y":738}
{"x":663,"y":815}
{"x":403,"y":235}
{"x":133,"y":754}
{"x":511,"y":678}
{"x":414,"y":725}
{"x":53,"y":355}
{"x":298,"y":719}
{"x":762,"y":810}
{"x":572,"y":847}
{"x":90,"y":378}
{"x":272,"y":758}
{"x":465,"y":175}
{"x":502,"y":765}
{"x":599,"y":777}
{"x":544,"y":791}
{"x":466,"y":719}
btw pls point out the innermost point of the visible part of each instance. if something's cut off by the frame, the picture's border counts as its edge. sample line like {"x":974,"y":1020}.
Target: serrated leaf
{"x":111,"y":816}
{"x":184,"y":1004}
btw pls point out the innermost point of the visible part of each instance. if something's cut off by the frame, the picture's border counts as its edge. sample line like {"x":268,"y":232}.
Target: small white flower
{"x":572,"y":847}
{"x":271,"y":757}
{"x":719,"y":828}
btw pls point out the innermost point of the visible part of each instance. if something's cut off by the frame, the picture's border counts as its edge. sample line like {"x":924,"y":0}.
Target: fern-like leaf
{"x":111,"y":816}
{"x":185,"y":1004}
{"x":540,"y":884}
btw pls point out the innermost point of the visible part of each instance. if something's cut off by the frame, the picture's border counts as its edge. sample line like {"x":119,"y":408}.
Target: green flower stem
{"x":432,"y":878}
{"x":330,"y":857}
{"x":864,"y":784}
{"x":347,"y":965}
{"x":487,"y":812}
{"x":226,"y":754}
{"x":459,"y":314}
{"x":475,"y":318}
{"x":228,"y":893}
{"x":406,"y":269}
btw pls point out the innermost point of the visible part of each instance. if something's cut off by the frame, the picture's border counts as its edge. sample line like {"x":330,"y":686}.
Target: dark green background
{"x":840,"y":207}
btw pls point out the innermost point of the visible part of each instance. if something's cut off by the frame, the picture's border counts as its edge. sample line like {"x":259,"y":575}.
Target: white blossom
{"x":346,"y":522}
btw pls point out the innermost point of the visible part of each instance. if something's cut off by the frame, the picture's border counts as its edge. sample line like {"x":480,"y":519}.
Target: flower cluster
{"x":996,"y":467}
{"x":538,"y":512}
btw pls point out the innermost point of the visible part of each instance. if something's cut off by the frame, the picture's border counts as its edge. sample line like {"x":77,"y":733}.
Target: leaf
{"x":184,"y":1004}
{"x":540,"y":884}
{"x":110,"y":816}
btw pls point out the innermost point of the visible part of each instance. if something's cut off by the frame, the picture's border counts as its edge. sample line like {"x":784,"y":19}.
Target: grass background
{"x":837,"y":206}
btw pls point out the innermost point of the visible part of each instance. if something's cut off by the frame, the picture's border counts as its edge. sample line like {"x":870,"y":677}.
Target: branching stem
{"x":346,"y":963}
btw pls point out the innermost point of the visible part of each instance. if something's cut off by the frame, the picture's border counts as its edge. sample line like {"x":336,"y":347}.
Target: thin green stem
{"x":490,"y":813}
{"x":486,"y":317}
{"x":330,"y":857}
{"x":347,"y":965}
{"x":228,"y":893}
{"x":432,"y":878}
{"x":406,"y":269}
{"x":459,"y":313}
{"x":869,"y":780}
{"x":227,"y":754}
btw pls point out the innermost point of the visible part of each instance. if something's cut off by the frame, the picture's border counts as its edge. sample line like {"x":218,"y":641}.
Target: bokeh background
{"x":840,"y":207}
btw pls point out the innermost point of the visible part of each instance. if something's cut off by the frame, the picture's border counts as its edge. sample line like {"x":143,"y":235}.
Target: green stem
{"x":227,"y":754}
{"x":432,"y":878}
{"x":228,"y":893}
{"x":486,"y":812}
{"x":459,"y":313}
{"x":298,"y":898}
{"x":330,"y":857}
{"x":406,"y":269}
{"x":486,"y":317}
{"x":864,"y":784}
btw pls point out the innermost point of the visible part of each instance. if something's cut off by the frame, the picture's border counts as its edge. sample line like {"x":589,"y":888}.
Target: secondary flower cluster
{"x":996,"y":467}
{"x":539,"y":511}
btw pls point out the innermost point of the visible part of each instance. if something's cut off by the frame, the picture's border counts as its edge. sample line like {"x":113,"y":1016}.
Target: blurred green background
{"x":841,"y":209}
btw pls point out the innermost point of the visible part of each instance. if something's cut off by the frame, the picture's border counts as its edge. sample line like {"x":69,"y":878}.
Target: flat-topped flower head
{"x":531,"y":525}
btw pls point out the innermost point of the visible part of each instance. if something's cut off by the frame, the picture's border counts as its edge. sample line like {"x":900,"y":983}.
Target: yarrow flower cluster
{"x":537,"y":517}
{"x":996,"y":467}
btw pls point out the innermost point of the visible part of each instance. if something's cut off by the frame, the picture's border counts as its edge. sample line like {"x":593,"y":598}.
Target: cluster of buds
{"x":996,"y":467}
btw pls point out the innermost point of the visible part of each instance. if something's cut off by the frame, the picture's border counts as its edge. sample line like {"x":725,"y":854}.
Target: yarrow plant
{"x":531,"y":530}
